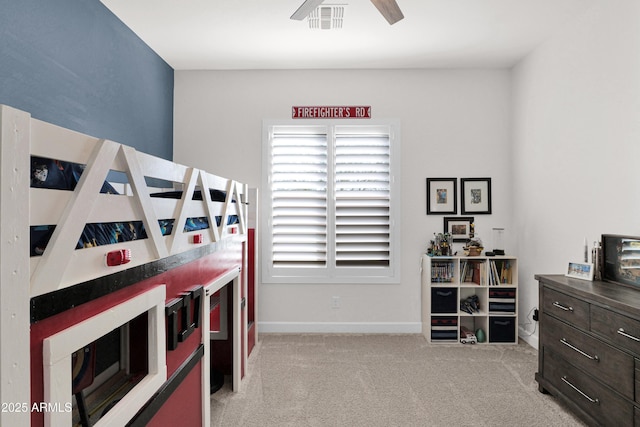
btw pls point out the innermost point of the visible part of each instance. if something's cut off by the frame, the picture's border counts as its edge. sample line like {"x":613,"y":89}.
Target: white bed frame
{"x":61,"y":265}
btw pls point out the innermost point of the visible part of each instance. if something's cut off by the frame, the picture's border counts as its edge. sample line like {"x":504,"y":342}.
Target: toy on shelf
{"x":470,"y":304}
{"x":467,"y":336}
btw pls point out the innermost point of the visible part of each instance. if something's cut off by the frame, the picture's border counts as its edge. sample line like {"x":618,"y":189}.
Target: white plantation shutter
{"x":299,"y":199}
{"x":330,"y":200}
{"x":362,"y":197}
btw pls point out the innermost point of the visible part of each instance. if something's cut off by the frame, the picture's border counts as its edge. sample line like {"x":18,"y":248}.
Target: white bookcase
{"x":492,"y":282}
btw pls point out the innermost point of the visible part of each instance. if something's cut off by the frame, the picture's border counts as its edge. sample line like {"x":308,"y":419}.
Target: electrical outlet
{"x":335,"y":302}
{"x":535,"y":315}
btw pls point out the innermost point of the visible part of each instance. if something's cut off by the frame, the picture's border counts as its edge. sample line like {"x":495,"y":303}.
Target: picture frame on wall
{"x":442,"y":196}
{"x":475,"y":195}
{"x":459,"y":227}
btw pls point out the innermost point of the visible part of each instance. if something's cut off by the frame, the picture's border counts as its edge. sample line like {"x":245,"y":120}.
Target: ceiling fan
{"x":388,"y":8}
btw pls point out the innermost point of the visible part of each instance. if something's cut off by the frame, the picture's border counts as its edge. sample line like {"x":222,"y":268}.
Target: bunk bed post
{"x":14,"y":266}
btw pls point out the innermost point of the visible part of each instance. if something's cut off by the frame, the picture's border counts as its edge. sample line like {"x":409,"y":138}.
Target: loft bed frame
{"x":37,"y":289}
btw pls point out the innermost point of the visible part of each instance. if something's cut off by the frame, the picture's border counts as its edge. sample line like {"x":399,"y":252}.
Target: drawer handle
{"x":574,"y":348}
{"x":624,"y":334}
{"x":586,"y":396}
{"x":444,"y":294}
{"x":562,"y":307}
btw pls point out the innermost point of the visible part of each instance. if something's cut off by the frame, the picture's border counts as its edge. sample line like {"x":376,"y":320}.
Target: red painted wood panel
{"x":251,"y":284}
{"x":177,"y":280}
{"x":184,"y":408}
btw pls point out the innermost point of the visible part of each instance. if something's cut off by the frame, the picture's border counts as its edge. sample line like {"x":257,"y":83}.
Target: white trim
{"x":15,"y":369}
{"x":223,"y":333}
{"x":58,"y":348}
{"x":346,"y":327}
{"x":61,"y":265}
{"x":55,"y":259}
{"x":331,"y":274}
{"x":234,"y":277}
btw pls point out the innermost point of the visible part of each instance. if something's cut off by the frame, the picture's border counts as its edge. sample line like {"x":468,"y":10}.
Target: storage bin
{"x":444,"y":328}
{"x":444,"y":300}
{"x":502,"y":329}
{"x":502,"y":301}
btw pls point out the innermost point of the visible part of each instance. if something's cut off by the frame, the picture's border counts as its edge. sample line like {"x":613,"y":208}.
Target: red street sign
{"x":331,"y":112}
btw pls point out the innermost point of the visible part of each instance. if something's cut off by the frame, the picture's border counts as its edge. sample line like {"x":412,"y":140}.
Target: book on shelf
{"x":442,"y":272}
{"x":472,"y":272}
{"x":500,"y":272}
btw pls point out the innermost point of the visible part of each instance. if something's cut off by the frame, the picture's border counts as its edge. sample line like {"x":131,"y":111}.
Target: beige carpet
{"x":386,"y":380}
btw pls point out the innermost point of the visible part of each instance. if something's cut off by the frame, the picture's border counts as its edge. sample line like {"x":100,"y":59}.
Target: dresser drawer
{"x":620,"y":330}
{"x":606,"y":363}
{"x":597,"y":400}
{"x":562,"y":306}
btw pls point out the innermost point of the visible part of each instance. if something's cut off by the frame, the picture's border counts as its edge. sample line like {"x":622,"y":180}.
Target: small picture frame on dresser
{"x":580,"y":270}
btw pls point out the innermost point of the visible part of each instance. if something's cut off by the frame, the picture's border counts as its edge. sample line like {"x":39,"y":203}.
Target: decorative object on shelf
{"x":580,"y":270}
{"x":467,"y":336}
{"x":595,"y":260}
{"x":475,"y":195}
{"x":442,"y":196}
{"x":473,"y":247}
{"x":459,"y":227}
{"x":441,"y":245}
{"x":480,"y":335}
{"x":498,"y":240}
{"x":470,"y":305}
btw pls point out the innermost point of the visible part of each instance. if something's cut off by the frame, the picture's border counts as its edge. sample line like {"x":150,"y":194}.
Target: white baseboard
{"x":532,"y":340}
{"x":340,"y":328}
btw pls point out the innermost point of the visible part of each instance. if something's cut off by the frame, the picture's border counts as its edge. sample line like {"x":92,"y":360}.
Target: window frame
{"x":331,"y":274}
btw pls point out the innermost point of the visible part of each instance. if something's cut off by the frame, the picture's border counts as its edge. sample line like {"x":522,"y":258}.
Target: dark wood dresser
{"x":589,"y":348}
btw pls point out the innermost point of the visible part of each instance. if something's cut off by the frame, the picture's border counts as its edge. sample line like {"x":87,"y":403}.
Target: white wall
{"x":576,"y":134}
{"x":455,"y":123}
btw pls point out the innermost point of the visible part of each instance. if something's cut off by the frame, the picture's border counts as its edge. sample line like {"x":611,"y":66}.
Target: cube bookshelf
{"x":470,"y":292}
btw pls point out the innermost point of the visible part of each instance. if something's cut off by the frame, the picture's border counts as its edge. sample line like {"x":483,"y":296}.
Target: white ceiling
{"x":258,"y":34}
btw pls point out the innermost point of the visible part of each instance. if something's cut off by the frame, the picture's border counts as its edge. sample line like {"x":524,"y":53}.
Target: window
{"x":331,"y":203}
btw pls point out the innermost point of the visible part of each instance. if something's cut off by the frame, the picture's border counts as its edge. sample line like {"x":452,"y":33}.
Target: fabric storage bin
{"x":502,"y":307}
{"x":502,"y":293}
{"x":502,"y":329}
{"x":444,"y":328}
{"x":502,"y":300}
{"x":444,"y":300}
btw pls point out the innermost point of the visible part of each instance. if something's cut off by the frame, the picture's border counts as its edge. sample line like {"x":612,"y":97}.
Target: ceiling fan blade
{"x":389,"y":9}
{"x":305,"y":9}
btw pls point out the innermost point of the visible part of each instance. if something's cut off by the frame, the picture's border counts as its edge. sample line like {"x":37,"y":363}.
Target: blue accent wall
{"x":75,"y":64}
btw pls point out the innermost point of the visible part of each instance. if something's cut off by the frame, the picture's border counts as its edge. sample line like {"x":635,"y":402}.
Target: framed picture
{"x":476,"y":195}
{"x":459,"y":227}
{"x":442,"y":196}
{"x":580,"y":270}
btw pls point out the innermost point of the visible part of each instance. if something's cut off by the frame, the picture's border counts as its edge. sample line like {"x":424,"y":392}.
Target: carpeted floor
{"x":386,"y":380}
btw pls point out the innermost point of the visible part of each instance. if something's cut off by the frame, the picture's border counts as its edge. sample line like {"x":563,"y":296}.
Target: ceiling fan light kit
{"x":388,"y":8}
{"x":326,"y":18}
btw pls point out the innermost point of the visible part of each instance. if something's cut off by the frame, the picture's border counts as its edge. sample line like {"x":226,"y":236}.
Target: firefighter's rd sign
{"x":331,"y":112}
